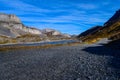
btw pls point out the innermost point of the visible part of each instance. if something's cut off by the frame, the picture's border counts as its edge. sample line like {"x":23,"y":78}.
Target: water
{"x":41,"y":43}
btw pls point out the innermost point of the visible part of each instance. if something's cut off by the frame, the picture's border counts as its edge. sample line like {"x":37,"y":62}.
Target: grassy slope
{"x":105,"y":32}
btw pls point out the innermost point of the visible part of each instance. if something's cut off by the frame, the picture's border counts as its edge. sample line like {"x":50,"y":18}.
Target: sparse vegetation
{"x":6,"y":48}
{"x":107,"y":31}
{"x":30,"y":38}
{"x":111,"y":30}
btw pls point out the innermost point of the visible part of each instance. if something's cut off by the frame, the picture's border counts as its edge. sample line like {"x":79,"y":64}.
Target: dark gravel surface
{"x":83,"y":62}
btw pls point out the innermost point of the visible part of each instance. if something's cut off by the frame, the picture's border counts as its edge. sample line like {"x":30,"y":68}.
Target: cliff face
{"x":12,"y":30}
{"x":11,"y":26}
{"x":9,"y":18}
{"x":110,"y":30}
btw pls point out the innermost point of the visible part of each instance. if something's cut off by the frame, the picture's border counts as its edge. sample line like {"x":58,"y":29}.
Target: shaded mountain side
{"x":90,"y":31}
{"x":106,"y":32}
{"x":114,"y":44}
{"x":115,"y":37}
{"x":110,"y":29}
{"x":113,"y":19}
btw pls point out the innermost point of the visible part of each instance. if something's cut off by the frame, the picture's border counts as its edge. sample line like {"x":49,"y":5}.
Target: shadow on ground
{"x":107,"y":51}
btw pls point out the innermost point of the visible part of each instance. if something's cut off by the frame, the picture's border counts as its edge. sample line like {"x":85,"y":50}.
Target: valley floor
{"x":81,"y":62}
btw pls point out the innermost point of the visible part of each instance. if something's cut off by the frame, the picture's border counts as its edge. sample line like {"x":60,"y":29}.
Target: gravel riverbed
{"x":81,"y":62}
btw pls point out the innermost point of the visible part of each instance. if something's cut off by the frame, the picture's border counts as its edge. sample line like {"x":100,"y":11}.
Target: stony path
{"x":83,"y":62}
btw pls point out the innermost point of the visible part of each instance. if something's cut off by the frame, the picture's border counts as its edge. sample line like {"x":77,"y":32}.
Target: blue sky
{"x":67,"y":16}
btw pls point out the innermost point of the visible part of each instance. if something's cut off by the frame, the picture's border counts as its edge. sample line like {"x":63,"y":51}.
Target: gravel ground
{"x":82,"y":62}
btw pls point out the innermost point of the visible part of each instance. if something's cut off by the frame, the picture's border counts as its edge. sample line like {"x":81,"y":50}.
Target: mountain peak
{"x":113,"y":19}
{"x":10,"y":18}
{"x":118,"y":11}
{"x":110,"y":30}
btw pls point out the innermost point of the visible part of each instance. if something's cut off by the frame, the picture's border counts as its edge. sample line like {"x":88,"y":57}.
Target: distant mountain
{"x":11,"y":27}
{"x":110,"y":29}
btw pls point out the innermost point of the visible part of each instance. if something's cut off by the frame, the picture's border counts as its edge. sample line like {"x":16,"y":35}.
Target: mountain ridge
{"x":12,"y":30}
{"x":110,"y":29}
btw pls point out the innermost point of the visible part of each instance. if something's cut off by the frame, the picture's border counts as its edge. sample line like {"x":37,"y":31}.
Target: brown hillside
{"x":110,"y":29}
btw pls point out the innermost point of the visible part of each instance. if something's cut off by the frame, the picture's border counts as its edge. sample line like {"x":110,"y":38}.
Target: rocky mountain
{"x":13,"y":30}
{"x":11,"y":26}
{"x":9,"y":18}
{"x":51,"y":32}
{"x":110,"y":30}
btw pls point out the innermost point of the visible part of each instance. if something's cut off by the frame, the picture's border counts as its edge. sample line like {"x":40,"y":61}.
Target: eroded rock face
{"x":47,"y":30}
{"x":56,"y":33}
{"x":14,"y":27}
{"x":51,"y":32}
{"x":32,"y":30}
{"x":11,"y":26}
{"x":9,"y":18}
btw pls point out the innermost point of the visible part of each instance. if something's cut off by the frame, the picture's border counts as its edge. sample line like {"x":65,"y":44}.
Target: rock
{"x":11,"y":26}
{"x":47,"y":30}
{"x":9,"y":18}
{"x":51,"y":32}
{"x":56,"y":33}
{"x":67,"y":35}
